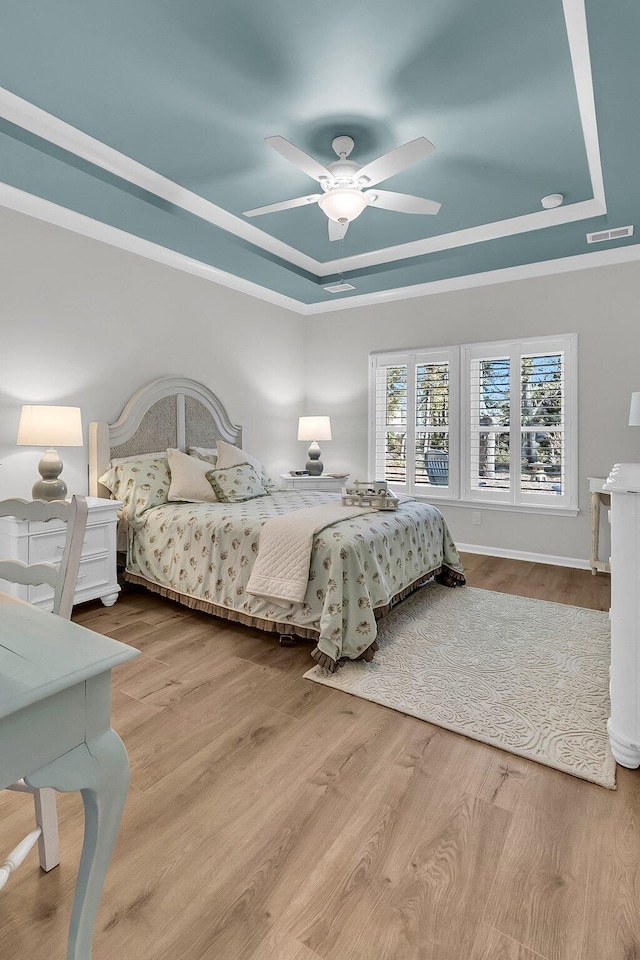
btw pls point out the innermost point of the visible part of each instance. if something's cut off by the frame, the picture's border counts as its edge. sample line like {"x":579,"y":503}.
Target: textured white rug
{"x":528,"y":676}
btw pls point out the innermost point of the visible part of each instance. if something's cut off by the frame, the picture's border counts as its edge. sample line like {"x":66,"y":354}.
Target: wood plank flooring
{"x":270,"y":818}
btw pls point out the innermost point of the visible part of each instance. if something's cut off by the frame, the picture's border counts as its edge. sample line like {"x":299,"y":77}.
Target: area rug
{"x":528,"y":676}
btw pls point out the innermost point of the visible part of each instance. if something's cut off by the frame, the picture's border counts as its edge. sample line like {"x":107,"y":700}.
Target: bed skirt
{"x":273,"y":626}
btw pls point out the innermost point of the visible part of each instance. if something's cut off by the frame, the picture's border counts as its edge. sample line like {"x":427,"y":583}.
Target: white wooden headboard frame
{"x":169,"y":412}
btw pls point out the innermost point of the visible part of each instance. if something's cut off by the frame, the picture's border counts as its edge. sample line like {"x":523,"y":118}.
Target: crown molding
{"x":29,"y":117}
{"x":576,"y":23}
{"x":56,"y":131}
{"x":526,"y":271}
{"x":461,"y":238}
{"x":40,"y":209}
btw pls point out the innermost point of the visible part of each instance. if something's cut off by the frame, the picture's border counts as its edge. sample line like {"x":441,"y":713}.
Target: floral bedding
{"x":205,"y":551}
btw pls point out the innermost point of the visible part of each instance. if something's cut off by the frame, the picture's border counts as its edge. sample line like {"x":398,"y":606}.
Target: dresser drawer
{"x":43,"y":542}
{"x":47,"y":547}
{"x":94,"y":572}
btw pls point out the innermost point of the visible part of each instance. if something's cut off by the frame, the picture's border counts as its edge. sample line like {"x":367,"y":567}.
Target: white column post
{"x":624,"y":723}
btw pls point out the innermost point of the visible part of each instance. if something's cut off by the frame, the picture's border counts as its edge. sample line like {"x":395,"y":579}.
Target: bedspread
{"x":207,"y":551}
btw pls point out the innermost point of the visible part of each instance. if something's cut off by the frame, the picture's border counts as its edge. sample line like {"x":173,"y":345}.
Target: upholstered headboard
{"x":170,"y":412}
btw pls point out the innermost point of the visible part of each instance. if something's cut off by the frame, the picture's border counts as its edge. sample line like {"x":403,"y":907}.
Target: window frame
{"x":459,"y":491}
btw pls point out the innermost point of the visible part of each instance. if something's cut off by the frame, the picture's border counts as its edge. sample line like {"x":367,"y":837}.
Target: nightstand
{"x":323,"y":482}
{"x":35,"y":542}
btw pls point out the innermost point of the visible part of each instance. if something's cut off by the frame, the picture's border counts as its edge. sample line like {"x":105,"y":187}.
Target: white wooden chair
{"x":63,"y":578}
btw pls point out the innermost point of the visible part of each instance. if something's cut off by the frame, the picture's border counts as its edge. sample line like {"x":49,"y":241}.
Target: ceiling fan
{"x":344,"y":181}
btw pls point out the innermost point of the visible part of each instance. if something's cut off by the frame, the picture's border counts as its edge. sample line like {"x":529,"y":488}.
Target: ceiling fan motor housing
{"x":343,"y":174}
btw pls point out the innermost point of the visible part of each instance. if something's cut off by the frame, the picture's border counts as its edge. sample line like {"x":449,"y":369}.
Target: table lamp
{"x":314,"y":429}
{"x":43,"y":426}
{"x":634,"y":412}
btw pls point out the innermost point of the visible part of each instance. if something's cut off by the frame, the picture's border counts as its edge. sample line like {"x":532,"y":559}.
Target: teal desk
{"x":55,"y":731}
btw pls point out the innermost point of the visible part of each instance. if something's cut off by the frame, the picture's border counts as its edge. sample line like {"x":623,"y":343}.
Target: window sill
{"x":543,"y":508}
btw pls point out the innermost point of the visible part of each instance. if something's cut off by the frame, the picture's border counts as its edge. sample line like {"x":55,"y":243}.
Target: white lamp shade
{"x":314,"y":428}
{"x":340,"y":205}
{"x":42,"y":426}
{"x":634,"y":412}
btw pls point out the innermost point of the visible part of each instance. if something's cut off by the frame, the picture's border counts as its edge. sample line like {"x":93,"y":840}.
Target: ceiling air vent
{"x":616,"y":234}
{"x":339,"y":288}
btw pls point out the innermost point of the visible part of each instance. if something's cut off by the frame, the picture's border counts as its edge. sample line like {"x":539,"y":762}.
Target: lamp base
{"x":50,"y":487}
{"x":314,"y":468}
{"x":314,"y":464}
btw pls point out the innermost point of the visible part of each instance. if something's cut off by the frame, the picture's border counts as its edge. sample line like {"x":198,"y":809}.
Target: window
{"x":488,"y":422}
{"x":415,"y":416}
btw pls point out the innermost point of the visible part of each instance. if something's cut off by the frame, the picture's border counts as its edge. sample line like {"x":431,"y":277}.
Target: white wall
{"x":85,"y":324}
{"x":600,"y":305}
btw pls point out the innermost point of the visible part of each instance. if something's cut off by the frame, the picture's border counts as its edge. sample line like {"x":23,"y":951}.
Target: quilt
{"x":206,"y":552}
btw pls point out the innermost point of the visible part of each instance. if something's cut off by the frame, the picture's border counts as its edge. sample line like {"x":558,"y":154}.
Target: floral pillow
{"x":236,"y":483}
{"x":230,"y":456}
{"x":139,"y":484}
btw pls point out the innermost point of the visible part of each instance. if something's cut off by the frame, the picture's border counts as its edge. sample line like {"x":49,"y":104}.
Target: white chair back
{"x":63,"y":576}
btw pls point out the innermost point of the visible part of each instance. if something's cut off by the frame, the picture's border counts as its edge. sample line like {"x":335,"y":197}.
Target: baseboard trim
{"x":524,"y":555}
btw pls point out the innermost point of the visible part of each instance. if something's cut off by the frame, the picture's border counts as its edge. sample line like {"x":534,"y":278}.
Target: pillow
{"x":210,"y":454}
{"x":189,"y":479}
{"x":116,"y":461}
{"x":139,"y":484}
{"x":230,"y":456}
{"x":236,"y":483}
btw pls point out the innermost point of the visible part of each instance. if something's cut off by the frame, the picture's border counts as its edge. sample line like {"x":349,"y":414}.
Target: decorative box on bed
{"x":202,"y":554}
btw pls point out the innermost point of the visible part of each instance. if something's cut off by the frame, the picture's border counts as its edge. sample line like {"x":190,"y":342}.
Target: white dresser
{"x":624,"y":724}
{"x":37,"y":542}
{"x":323,"y":482}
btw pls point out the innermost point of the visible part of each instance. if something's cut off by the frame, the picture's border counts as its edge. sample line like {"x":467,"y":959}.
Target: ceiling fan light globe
{"x":342,"y":205}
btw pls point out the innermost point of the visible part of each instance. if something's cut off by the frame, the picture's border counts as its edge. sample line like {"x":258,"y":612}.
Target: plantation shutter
{"x":432,"y":411}
{"x":489,"y":379}
{"x":517,"y":396}
{"x":390,"y":412}
{"x":545,"y":456}
{"x":414,"y":413}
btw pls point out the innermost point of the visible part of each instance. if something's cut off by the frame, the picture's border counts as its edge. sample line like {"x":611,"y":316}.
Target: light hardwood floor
{"x":275,"y":819}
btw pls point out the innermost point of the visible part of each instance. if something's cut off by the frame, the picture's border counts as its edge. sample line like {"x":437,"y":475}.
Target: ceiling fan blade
{"x":283,"y":205}
{"x":401,"y":202}
{"x":301,"y":159}
{"x":395,"y":161}
{"x":337,"y":230}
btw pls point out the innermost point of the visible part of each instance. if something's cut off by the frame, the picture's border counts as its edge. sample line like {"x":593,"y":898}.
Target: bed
{"x":203,"y":554}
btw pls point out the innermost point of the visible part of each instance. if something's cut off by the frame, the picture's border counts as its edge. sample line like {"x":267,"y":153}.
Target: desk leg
{"x":100,"y":770}
{"x":594,"y":503}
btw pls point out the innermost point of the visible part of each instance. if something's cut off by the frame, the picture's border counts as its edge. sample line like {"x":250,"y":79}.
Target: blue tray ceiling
{"x":189,"y":90}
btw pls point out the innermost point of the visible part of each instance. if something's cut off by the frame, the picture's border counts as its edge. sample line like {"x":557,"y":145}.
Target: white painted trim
{"x":40,"y":209}
{"x":525,"y":271}
{"x":45,"y":125}
{"x":524,"y":555}
{"x":576,"y":21}
{"x":576,"y":24}
{"x":539,"y":220}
